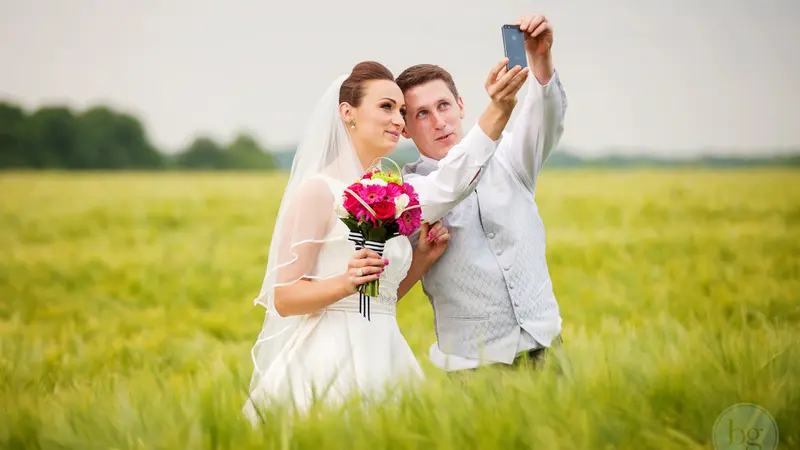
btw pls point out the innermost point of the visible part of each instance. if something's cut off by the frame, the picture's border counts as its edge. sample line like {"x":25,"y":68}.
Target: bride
{"x":314,"y":343}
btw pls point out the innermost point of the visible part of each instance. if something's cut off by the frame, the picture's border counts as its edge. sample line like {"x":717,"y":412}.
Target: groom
{"x":491,"y":290}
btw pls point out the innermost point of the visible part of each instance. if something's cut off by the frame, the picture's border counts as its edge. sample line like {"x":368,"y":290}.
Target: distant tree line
{"x":100,"y":138}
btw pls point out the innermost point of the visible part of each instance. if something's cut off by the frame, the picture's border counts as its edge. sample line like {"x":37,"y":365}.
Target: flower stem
{"x":372,"y":288}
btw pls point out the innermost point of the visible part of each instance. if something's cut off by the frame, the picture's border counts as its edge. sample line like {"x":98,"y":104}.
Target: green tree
{"x":12,"y":137}
{"x":111,"y":140}
{"x":244,"y":153}
{"x":203,"y":154}
{"x":51,"y":136}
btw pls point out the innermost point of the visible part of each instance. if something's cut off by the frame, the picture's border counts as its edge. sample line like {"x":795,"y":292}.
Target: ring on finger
{"x":360,"y":272}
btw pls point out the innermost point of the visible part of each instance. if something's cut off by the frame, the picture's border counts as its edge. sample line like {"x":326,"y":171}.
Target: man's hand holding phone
{"x":502,"y":85}
{"x":538,"y":34}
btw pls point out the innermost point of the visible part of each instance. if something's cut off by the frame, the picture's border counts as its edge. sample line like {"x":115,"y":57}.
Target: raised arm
{"x":456,"y":174}
{"x":540,"y":124}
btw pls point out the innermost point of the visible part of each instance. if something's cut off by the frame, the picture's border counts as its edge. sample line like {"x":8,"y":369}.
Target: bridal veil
{"x":305,"y":216}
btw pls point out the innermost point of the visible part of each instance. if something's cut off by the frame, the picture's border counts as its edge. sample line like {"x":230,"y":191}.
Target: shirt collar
{"x":427,"y":160}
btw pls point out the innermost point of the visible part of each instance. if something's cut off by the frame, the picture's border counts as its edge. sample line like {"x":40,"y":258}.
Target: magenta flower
{"x":409,"y":221}
{"x":374,"y":194}
{"x":352,"y":205}
{"x":391,"y":192}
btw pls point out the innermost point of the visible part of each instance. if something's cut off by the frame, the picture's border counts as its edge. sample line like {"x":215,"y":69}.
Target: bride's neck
{"x":366,"y":154}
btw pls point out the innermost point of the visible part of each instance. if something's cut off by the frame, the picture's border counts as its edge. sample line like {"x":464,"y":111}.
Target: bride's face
{"x":379,"y":118}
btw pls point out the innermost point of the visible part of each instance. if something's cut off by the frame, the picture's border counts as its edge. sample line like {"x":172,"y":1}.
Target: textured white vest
{"x":493,"y":280}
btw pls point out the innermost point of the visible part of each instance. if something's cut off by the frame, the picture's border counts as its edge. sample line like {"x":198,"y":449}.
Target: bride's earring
{"x":353,"y":123}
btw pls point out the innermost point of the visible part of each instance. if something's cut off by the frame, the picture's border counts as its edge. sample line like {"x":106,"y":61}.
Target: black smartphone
{"x":514,"y":46}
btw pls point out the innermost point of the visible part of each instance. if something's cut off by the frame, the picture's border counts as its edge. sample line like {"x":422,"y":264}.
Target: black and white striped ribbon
{"x":356,"y":238}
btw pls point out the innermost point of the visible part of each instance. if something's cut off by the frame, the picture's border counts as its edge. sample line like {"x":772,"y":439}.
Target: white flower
{"x":339,"y":207}
{"x":373,"y":182}
{"x":400,"y":203}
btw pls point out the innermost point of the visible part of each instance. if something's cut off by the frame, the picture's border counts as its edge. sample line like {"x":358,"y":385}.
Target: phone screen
{"x":514,"y":46}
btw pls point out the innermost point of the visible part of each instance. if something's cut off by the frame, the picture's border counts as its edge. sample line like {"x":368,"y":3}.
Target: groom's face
{"x":433,"y":119}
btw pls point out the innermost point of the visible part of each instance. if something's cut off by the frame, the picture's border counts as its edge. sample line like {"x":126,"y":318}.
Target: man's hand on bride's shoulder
{"x":432,"y":241}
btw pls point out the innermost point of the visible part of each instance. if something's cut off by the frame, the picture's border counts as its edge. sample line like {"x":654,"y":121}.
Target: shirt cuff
{"x":537,"y":90}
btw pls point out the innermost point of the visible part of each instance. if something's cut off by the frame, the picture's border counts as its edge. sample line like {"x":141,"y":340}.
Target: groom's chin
{"x":442,"y":148}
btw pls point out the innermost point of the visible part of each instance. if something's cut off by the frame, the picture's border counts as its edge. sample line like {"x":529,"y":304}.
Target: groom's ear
{"x":460,"y":102}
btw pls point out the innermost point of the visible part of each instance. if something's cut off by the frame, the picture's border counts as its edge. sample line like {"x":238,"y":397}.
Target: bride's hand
{"x":433,"y":240}
{"x":366,"y":265}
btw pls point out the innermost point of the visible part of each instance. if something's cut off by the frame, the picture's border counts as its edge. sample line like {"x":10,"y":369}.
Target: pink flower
{"x":350,"y":203}
{"x":409,"y":221}
{"x":391,"y":192}
{"x":412,"y":195}
{"x":366,"y":216}
{"x":374,"y":194}
{"x":413,"y":198}
{"x":358,"y":211}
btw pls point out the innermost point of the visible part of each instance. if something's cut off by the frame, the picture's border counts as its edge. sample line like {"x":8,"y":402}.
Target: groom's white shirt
{"x":491,"y":291}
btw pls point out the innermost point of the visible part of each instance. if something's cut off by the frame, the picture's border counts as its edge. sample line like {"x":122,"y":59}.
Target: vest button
{"x":490,"y":235}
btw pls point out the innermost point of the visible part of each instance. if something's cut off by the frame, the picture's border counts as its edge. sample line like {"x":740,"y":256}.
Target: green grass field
{"x":126,"y":317}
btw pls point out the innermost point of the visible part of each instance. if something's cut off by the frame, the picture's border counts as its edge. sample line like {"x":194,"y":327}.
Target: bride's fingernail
{"x":385,"y":262}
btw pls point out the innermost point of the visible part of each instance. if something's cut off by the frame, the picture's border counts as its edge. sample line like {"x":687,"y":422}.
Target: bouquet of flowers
{"x":377,"y":208}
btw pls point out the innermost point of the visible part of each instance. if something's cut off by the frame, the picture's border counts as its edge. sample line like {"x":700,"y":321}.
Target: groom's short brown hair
{"x":423,"y":73}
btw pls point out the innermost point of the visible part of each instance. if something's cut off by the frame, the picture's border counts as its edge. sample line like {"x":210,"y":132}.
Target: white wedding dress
{"x":337,"y":351}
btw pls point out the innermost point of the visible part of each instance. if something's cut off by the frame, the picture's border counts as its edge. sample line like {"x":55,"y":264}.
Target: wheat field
{"x":126,"y":317}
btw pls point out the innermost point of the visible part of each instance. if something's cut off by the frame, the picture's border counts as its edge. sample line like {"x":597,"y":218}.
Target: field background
{"x":126,"y":316}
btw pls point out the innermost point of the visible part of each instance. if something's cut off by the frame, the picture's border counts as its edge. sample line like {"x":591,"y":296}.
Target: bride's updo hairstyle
{"x":352,"y":90}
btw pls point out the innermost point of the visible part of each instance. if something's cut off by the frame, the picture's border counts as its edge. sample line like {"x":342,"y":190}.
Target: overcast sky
{"x":665,"y":75}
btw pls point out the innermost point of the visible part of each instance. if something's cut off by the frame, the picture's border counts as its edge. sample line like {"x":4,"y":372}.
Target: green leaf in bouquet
{"x":351,"y":223}
{"x":378,"y":234}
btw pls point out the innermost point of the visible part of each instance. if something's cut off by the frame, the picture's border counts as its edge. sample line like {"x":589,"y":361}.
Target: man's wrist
{"x":494,"y":119}
{"x":504,"y":109}
{"x":542,"y":67}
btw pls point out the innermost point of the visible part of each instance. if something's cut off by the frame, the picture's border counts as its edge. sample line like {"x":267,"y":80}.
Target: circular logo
{"x":745,"y":426}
